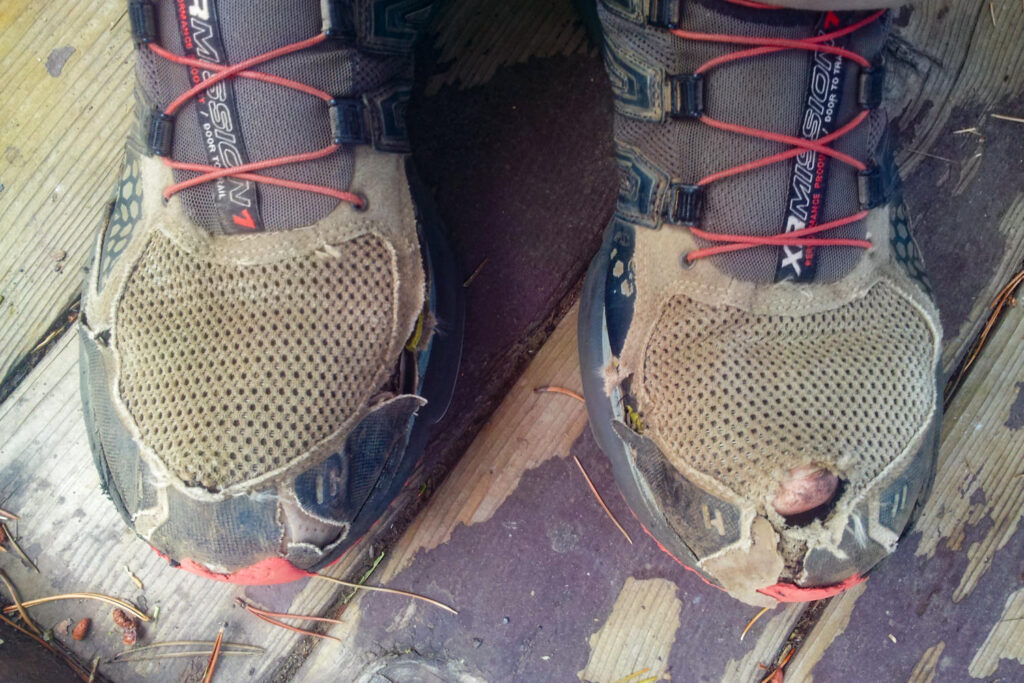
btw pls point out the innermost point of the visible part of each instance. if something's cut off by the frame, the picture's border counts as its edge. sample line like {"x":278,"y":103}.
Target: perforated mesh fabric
{"x":744,"y":398}
{"x":766,"y":92}
{"x":231,"y":371}
{"x":274,"y":121}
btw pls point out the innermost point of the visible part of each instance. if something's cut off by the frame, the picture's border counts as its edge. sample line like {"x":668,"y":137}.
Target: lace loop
{"x":242,"y":69}
{"x":798,"y":146}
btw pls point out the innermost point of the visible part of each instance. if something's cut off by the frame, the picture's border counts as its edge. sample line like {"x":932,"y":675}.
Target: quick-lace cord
{"x":242,"y":69}
{"x":764,"y":46}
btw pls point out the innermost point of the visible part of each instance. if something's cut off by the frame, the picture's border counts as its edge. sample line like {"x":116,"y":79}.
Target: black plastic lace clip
{"x":161,"y":133}
{"x":871,"y":187}
{"x":686,"y":203}
{"x":686,"y":96}
{"x":348,"y":121}
{"x":871,"y":87}
{"x":338,"y":20}
{"x":665,"y":13}
{"x":142,"y":17}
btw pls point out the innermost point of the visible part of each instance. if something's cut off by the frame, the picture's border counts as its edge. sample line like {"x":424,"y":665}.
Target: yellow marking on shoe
{"x":636,"y":422}
{"x":417,"y":334}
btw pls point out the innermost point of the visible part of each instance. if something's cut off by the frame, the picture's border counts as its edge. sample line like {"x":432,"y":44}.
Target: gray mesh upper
{"x":231,"y":371}
{"x":733,"y":389}
{"x":275,"y":121}
{"x":765,"y":92}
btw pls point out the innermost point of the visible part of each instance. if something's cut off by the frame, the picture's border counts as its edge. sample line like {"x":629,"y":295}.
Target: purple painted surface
{"x":912,"y":598}
{"x":550,"y":563}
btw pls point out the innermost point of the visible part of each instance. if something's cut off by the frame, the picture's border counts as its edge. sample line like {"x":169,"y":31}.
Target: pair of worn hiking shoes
{"x":272,"y":319}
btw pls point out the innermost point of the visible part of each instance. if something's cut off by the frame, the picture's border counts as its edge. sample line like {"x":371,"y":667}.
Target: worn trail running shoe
{"x":757,"y":335}
{"x":271,"y":319}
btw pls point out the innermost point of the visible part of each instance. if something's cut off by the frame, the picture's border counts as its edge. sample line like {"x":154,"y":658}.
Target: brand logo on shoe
{"x":809,"y":181}
{"x":237,"y":200}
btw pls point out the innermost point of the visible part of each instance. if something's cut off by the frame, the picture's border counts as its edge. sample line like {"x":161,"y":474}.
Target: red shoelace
{"x":763,"y":46}
{"x":246,"y":171}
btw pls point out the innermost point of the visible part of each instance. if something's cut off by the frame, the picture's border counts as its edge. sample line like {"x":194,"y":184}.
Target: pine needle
{"x":249,"y":607}
{"x":82,"y":673}
{"x":626,"y":678}
{"x":294,"y":629}
{"x":600,"y":500}
{"x":18,"y":605}
{"x":752,"y":621}
{"x":139,"y":654}
{"x":781,"y":666}
{"x":17,"y":548}
{"x":369,"y":572}
{"x":224,"y":652}
{"x":1004,"y":117}
{"x":84,"y":596}
{"x":136,"y":580}
{"x":1003,"y":299}
{"x":8,"y":515}
{"x":212,"y":664}
{"x":381,"y":589}
{"x":476,"y":271}
{"x":559,"y":390}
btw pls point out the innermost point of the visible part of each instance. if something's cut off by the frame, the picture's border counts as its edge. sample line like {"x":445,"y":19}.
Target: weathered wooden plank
{"x":971,"y":71}
{"x":72,"y":532}
{"x":958,"y":63}
{"x":66,"y":107}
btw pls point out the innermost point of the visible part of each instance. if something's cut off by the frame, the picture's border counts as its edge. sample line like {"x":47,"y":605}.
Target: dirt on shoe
{"x":758,"y":340}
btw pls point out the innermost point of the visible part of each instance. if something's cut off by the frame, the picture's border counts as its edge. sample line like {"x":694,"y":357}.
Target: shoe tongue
{"x":793,"y":92}
{"x":242,"y":120}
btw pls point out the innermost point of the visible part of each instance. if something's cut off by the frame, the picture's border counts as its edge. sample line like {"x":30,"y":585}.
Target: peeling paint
{"x":924,"y":671}
{"x":832,"y":624}
{"x":57,"y":59}
{"x":1015,"y":420}
{"x":979,"y":485}
{"x":771,"y":640}
{"x":637,"y":635}
{"x":1004,"y":641}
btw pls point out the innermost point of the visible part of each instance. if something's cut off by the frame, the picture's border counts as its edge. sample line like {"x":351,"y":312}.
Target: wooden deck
{"x":512,"y":127}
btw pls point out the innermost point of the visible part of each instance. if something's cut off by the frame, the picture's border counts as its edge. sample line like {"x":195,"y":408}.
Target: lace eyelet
{"x":685,"y":261}
{"x":364,"y":204}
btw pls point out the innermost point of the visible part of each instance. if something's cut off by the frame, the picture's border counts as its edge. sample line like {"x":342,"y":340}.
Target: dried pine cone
{"x":81,"y":629}
{"x":123,"y":619}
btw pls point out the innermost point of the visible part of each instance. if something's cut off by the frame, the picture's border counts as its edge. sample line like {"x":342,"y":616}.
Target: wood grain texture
{"x":61,"y":144}
{"x":953,"y":67}
{"x":74,"y":535}
{"x":525,"y":430}
{"x":638,"y":634}
{"x":1005,"y":641}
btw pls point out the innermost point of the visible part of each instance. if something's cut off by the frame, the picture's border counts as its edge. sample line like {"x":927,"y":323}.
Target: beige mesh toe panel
{"x":231,"y":371}
{"x":744,"y":397}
